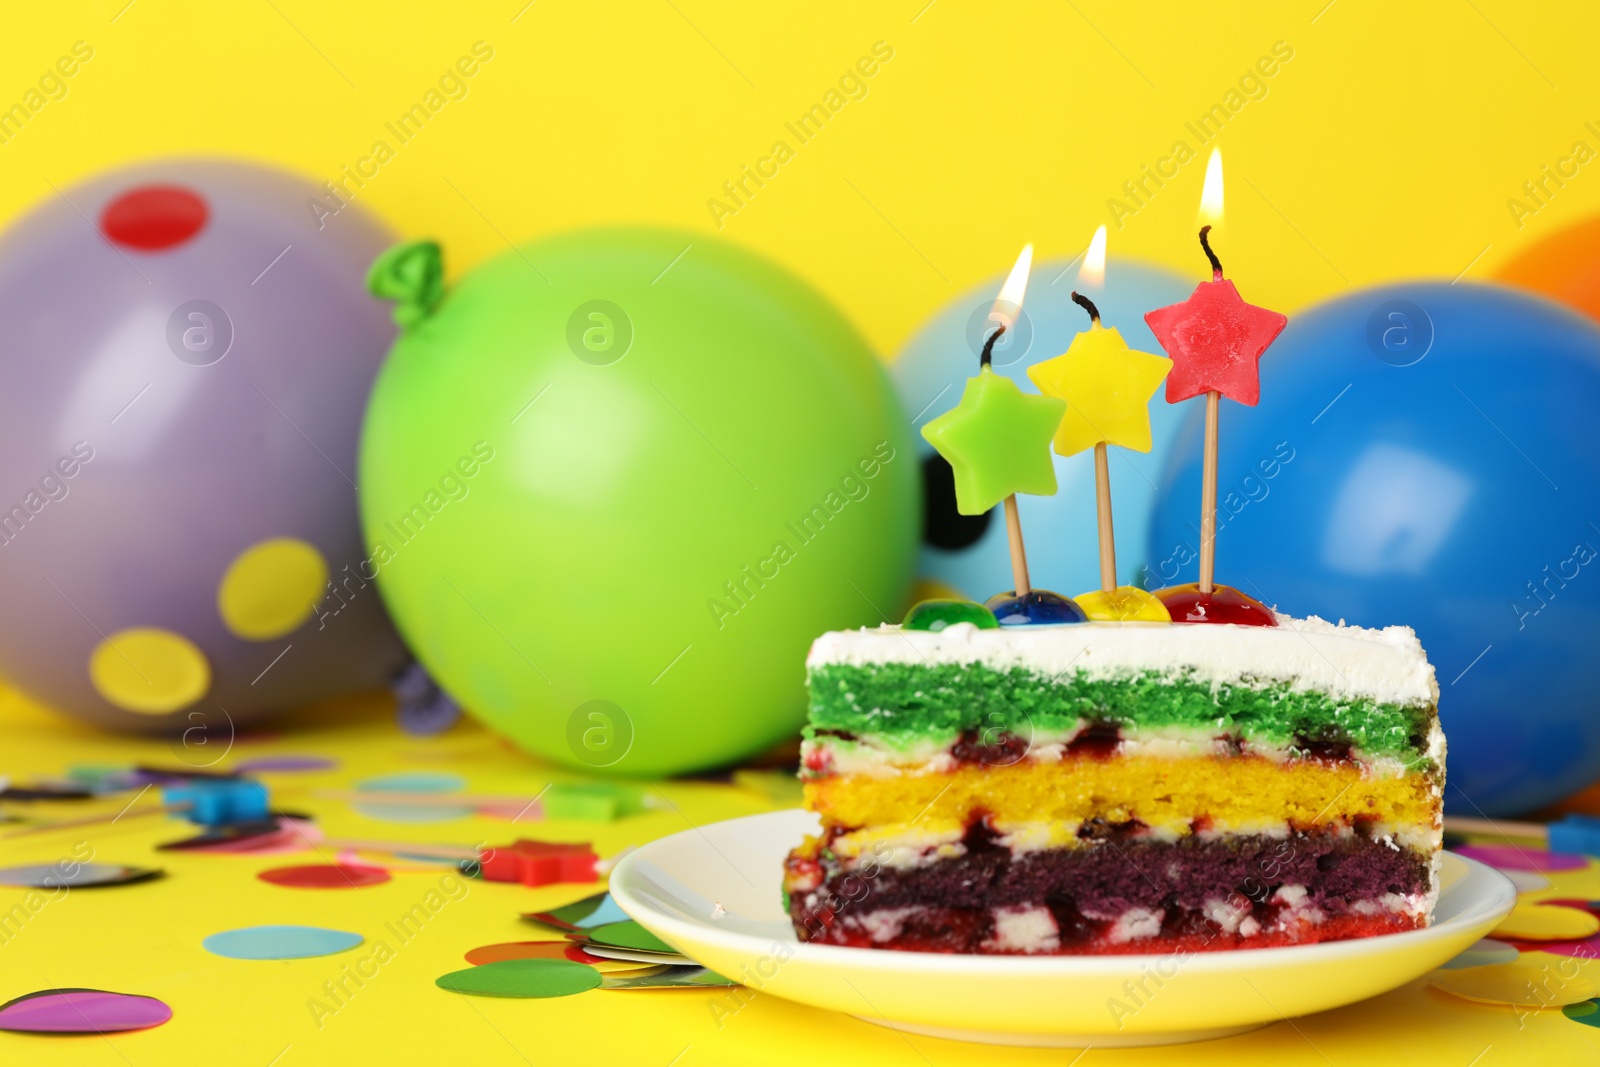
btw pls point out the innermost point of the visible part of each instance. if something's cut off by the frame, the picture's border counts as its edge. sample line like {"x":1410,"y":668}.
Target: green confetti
{"x":628,"y":935}
{"x":523,"y":978}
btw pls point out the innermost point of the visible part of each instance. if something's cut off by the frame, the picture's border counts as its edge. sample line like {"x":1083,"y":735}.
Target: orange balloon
{"x":1564,"y":266}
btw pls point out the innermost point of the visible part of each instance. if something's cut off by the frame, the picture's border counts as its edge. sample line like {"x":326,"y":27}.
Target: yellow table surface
{"x":146,"y":938}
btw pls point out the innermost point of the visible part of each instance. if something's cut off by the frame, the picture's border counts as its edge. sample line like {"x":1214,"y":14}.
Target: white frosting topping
{"x":1387,"y":666}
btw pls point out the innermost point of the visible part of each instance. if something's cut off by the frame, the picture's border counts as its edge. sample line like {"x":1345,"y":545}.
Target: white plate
{"x":715,"y":894}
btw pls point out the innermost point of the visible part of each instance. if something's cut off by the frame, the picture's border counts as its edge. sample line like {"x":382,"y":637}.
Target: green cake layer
{"x":903,"y":704}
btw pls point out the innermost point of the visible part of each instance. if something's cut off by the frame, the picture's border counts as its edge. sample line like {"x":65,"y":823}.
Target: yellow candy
{"x":1107,"y":387}
{"x":1547,"y":922}
{"x":1524,"y":984}
{"x":1125,"y":603}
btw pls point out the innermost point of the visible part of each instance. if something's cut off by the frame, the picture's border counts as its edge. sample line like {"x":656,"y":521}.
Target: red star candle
{"x":1215,"y":340}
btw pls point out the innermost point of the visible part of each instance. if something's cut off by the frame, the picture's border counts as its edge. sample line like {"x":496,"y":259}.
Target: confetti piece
{"x":627,"y":934}
{"x":228,"y":834}
{"x":536,"y":863}
{"x":523,"y":978}
{"x":1547,"y":922}
{"x":1521,"y":984}
{"x":1581,"y":948}
{"x":286,"y":764}
{"x":325,"y":876}
{"x":1586,"y":1012}
{"x":1523,"y":858}
{"x":279,"y":942}
{"x":1482,"y":954}
{"x":592,"y":801}
{"x":74,"y":875}
{"x":667,"y":978}
{"x":550,"y":950}
{"x":81,"y":1011}
{"x":596,"y":910}
{"x":413,"y":782}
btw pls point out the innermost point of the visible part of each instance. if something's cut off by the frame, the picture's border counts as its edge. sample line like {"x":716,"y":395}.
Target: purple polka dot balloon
{"x":188,"y":347}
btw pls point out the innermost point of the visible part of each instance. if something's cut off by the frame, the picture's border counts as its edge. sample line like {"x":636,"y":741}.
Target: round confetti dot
{"x":1482,"y":954}
{"x":279,"y":942}
{"x":285,"y":764}
{"x":413,"y":782}
{"x":1547,"y":922}
{"x":520,"y":950}
{"x":149,"y":670}
{"x":1521,"y":984}
{"x":325,"y":876}
{"x":153,"y":217}
{"x":1586,"y":1012}
{"x":628,"y":935}
{"x":81,"y":1011}
{"x":271,"y":588}
{"x":522,"y":978}
{"x":75,"y":875}
{"x":1523,"y":858}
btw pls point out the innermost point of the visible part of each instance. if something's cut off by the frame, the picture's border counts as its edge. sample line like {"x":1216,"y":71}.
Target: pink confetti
{"x":1523,"y":857}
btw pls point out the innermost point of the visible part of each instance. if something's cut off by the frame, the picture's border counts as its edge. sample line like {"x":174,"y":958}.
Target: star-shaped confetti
{"x":1215,"y":340}
{"x":997,"y":441}
{"x":1107,"y":387}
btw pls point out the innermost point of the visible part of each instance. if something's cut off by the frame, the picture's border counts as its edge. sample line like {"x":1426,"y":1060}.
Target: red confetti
{"x":325,"y":876}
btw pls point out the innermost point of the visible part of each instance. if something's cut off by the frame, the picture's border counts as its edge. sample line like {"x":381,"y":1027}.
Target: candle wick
{"x":988,"y":346}
{"x":1216,"y":264}
{"x":1088,"y":305}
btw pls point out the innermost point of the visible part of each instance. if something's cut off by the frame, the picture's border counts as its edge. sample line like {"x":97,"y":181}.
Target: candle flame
{"x":1008,"y":305}
{"x":1211,"y":195}
{"x":1092,"y":274}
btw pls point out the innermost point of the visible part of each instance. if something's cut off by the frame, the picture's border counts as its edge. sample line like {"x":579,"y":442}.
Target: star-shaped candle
{"x":997,"y":441}
{"x":1107,"y":387}
{"x":1215,"y":340}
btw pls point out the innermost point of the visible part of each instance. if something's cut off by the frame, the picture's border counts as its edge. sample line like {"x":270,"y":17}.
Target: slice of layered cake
{"x":1118,"y":787}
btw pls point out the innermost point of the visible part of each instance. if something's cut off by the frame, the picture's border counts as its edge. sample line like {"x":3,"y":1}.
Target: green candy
{"x":935,"y":615}
{"x":614,"y":483}
{"x":522,"y":978}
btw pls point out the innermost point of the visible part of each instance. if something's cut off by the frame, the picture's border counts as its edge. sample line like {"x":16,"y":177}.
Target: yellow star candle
{"x":1107,"y":387}
{"x":997,"y":439}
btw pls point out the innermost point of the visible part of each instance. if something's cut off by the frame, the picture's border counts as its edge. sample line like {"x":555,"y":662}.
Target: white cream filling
{"x":1387,"y":665}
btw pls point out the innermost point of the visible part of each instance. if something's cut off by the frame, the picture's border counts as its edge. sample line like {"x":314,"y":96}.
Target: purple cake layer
{"x":1190,"y":887}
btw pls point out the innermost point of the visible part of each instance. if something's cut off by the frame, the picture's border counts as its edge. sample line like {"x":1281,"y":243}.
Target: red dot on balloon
{"x":153,"y":217}
{"x":325,"y":876}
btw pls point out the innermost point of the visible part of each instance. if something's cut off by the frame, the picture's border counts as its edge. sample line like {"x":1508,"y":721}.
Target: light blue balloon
{"x":1060,"y":531}
{"x":279,"y":942}
{"x":1424,"y":455}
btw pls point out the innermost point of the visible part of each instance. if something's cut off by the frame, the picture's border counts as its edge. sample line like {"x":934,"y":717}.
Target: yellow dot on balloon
{"x":149,"y":670}
{"x":271,"y":588}
{"x":1526,"y":983}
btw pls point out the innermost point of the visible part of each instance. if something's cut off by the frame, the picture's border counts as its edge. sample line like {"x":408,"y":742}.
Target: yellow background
{"x":1387,"y":147}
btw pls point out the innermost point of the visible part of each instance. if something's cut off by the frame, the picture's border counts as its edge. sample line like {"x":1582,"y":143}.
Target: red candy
{"x":1215,"y":340}
{"x":535,"y":863}
{"x":1223,"y":604}
{"x":153,"y":217}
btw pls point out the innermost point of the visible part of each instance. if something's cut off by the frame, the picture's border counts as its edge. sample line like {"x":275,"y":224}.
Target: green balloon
{"x":613,"y":483}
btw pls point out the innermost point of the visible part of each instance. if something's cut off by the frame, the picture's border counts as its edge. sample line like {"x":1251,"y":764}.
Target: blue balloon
{"x":1424,"y":454}
{"x":970,"y":554}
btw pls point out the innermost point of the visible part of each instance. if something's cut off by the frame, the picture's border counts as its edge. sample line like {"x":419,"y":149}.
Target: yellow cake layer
{"x":1165,"y":794}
